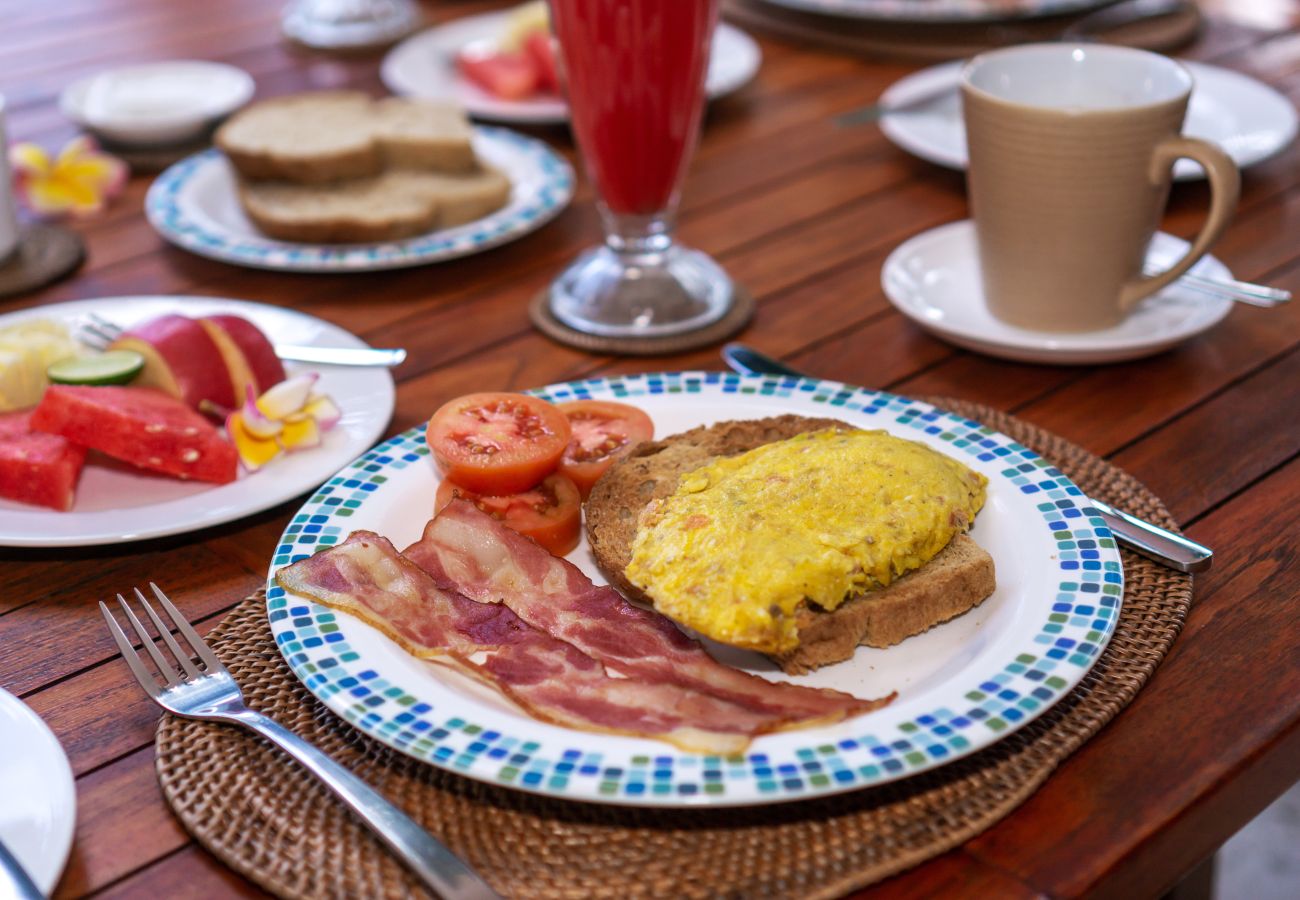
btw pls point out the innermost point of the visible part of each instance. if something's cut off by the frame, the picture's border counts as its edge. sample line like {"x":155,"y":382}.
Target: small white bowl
{"x":156,"y":103}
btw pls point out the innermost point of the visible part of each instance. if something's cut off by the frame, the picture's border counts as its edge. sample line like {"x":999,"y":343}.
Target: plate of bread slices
{"x":791,"y":588}
{"x":335,"y":181}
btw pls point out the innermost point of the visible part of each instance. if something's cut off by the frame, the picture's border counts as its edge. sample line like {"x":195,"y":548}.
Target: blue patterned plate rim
{"x":962,"y":685}
{"x":542,"y":187}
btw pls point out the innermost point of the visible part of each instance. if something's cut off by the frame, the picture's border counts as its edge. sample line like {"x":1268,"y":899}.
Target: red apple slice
{"x":249,"y":356}
{"x":181,"y":360}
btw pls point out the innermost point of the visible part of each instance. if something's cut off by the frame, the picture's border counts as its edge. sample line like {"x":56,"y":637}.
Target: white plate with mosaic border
{"x":194,"y":206}
{"x":941,"y":10}
{"x":117,"y":503}
{"x":961,"y":686}
{"x":424,"y":65}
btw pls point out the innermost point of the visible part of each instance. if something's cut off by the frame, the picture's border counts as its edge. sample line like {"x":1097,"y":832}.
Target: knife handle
{"x":1154,"y":542}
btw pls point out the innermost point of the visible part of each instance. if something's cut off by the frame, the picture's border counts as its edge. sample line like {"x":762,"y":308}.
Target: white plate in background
{"x":424,"y":65}
{"x":1250,"y":120}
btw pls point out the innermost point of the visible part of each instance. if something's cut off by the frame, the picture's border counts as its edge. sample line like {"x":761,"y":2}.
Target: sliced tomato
{"x":541,"y":51}
{"x":550,"y":513}
{"x":498,"y":443}
{"x":602,"y":432}
{"x":509,"y":76}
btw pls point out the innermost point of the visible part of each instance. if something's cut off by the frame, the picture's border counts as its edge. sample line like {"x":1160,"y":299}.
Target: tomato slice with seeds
{"x":602,"y":432}
{"x":550,"y":513}
{"x":497,"y":443}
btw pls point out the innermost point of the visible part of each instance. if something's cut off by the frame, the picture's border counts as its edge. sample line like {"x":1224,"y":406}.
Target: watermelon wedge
{"x":141,"y":426}
{"x":36,"y":468}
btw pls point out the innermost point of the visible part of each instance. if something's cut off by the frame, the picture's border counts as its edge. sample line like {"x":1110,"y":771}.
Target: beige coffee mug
{"x":1071,"y":150}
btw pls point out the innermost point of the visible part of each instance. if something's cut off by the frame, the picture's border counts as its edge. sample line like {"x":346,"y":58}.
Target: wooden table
{"x":803,"y":214}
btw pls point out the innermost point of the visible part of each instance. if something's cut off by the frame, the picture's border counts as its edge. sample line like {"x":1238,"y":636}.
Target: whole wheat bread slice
{"x":960,"y":577}
{"x":326,"y":136}
{"x":385,"y":207}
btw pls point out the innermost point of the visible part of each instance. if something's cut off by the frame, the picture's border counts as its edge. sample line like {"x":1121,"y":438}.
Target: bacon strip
{"x":468,"y":551}
{"x":548,"y":678}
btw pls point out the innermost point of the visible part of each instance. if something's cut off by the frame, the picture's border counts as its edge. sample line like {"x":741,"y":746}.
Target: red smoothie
{"x":634,"y":72}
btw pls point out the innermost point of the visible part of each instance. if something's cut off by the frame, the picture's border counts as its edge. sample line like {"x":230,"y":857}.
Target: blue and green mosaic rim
{"x":1080,"y":621}
{"x":550,"y":195}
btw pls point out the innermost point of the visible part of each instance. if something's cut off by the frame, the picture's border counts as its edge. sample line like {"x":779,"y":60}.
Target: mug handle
{"x":1225,"y":186}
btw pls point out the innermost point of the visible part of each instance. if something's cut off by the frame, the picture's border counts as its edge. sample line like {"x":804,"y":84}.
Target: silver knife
{"x":1141,"y":536}
{"x":14,"y":880}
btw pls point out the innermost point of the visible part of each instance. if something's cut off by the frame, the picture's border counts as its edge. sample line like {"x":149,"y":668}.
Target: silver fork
{"x":205,"y":690}
{"x":103,"y":332}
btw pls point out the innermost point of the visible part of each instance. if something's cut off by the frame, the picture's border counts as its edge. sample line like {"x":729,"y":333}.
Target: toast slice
{"x":420,"y":134}
{"x":960,"y":577}
{"x":383,"y":207}
{"x":326,"y":136}
{"x":389,"y":206}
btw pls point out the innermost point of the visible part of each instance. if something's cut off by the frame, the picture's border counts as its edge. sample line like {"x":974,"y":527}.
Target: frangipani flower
{"x":289,"y":416}
{"x":79,"y":181}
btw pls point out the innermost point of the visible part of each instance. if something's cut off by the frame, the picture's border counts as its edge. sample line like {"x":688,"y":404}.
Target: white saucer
{"x":39,"y":808}
{"x":934,"y":280}
{"x":424,"y":65}
{"x":1247,"y":118}
{"x":156,"y":103}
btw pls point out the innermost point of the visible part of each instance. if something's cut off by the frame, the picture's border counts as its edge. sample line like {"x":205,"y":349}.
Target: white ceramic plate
{"x":117,"y":503}
{"x":424,"y":65}
{"x":941,"y":10}
{"x":934,"y":280}
{"x":193,"y":205}
{"x":1247,"y":118}
{"x":961,"y":686}
{"x":39,"y":809}
{"x":156,"y":103}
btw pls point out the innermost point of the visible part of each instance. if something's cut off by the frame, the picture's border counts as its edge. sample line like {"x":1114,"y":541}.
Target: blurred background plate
{"x":942,"y":10}
{"x":424,"y":65}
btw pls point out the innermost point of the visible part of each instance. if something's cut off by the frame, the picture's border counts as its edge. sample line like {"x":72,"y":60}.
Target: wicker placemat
{"x":266,"y":818}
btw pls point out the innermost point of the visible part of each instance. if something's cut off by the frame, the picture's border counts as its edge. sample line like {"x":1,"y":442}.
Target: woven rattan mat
{"x":266,"y":818}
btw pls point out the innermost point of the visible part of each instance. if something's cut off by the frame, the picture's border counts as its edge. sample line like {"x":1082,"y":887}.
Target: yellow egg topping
{"x":821,"y":517}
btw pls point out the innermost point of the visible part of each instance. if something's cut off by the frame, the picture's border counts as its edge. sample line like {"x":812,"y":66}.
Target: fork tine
{"x":142,"y":675}
{"x":98,"y":333}
{"x":170,"y":675}
{"x":183,"y":625}
{"x":183,"y":658}
{"x":111,"y":328}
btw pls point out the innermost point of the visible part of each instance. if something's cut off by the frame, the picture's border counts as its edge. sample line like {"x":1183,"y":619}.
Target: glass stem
{"x":641,"y":238}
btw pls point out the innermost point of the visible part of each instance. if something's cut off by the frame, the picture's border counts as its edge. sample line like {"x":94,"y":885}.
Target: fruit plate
{"x":116,"y":503}
{"x":424,"y":65}
{"x":961,"y":686}
{"x":194,"y":205}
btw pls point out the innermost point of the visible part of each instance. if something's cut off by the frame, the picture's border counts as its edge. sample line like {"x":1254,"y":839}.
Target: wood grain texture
{"x":804,"y":213}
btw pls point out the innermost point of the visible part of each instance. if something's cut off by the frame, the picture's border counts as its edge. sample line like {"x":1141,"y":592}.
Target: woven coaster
{"x":742,"y":310}
{"x":266,"y":818}
{"x":932,"y":41}
{"x":45,"y":253}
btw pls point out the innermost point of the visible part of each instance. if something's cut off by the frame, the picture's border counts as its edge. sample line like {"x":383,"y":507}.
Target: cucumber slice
{"x":113,"y":367}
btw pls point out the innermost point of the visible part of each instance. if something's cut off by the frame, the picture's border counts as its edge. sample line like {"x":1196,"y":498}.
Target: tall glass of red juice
{"x":634,"y":74}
